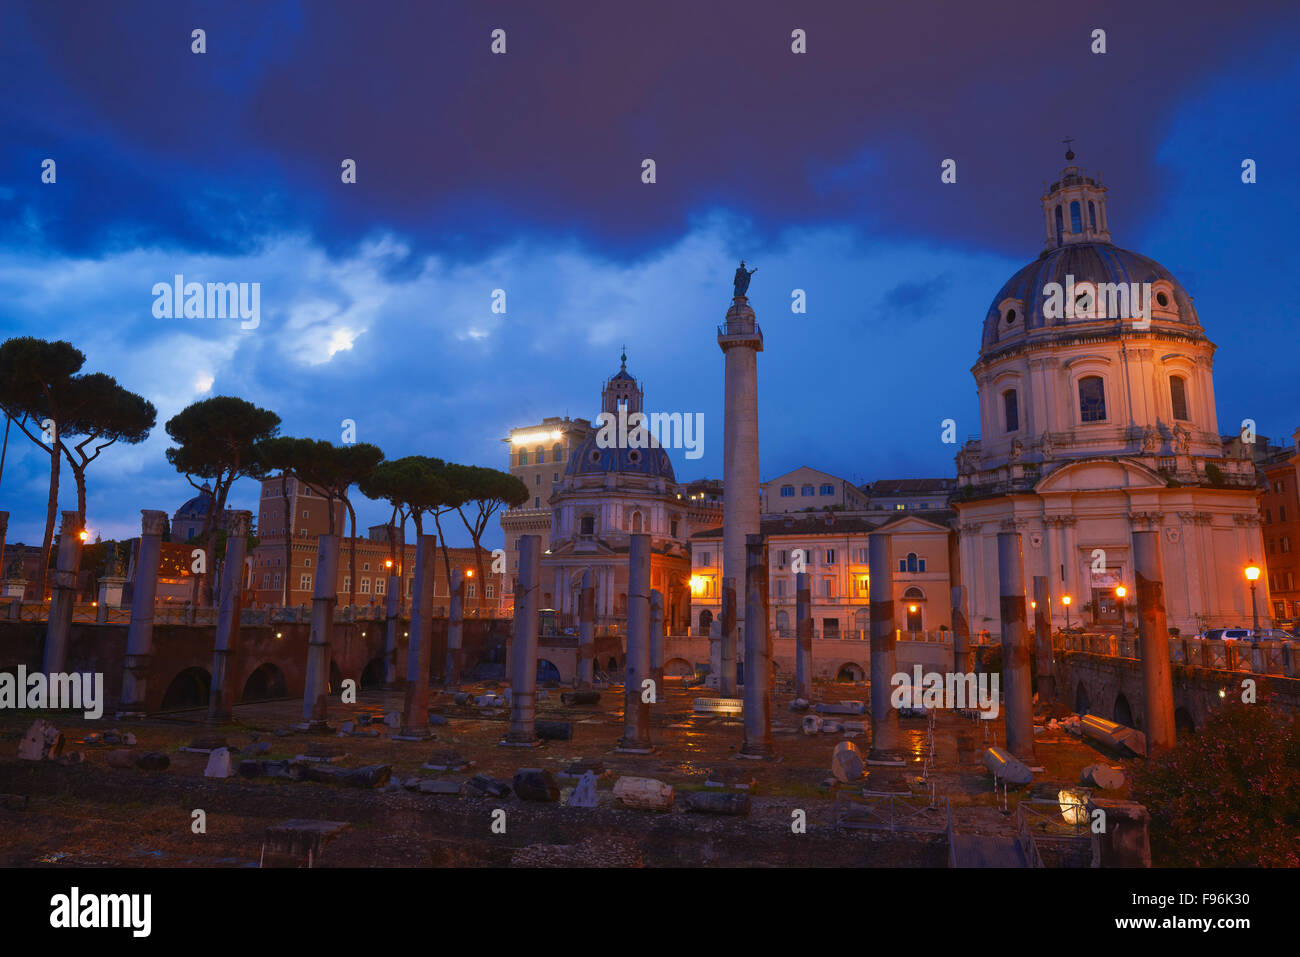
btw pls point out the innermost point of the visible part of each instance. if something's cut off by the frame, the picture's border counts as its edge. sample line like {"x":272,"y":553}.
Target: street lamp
{"x":1065,"y":600}
{"x":1252,"y":576}
{"x":1120,"y":592}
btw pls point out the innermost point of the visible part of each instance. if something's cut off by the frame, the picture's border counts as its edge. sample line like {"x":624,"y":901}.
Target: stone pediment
{"x":1093,"y":475}
{"x":911,"y":523}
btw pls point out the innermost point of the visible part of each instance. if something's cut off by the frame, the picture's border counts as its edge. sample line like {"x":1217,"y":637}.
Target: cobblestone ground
{"x":89,"y":814}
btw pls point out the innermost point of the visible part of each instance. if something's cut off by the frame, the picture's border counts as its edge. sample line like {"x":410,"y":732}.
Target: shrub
{"x":1228,"y":796}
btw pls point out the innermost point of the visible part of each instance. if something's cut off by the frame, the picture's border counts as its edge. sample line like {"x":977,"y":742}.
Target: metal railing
{"x":878,"y":811}
{"x":1046,"y":821}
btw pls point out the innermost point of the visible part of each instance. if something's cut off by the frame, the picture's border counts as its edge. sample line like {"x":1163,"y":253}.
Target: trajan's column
{"x":741,"y":340}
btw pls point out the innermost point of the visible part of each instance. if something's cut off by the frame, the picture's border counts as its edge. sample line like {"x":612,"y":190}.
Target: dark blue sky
{"x":522,"y":172}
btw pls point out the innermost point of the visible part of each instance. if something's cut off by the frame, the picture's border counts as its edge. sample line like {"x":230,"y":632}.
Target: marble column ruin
{"x":727,"y":629}
{"x":324,"y":597}
{"x":1017,"y":692}
{"x":803,"y":666}
{"x":961,"y":663}
{"x":636,"y":709}
{"x":225,"y":647}
{"x":886,"y":736}
{"x":455,"y":631}
{"x":392,"y":621}
{"x":523,"y":657}
{"x":1153,"y":631}
{"x":59,"y":627}
{"x":1043,"y":670}
{"x":758,"y":653}
{"x":419,"y":645}
{"x":586,"y":632}
{"x":139,"y":634}
{"x":658,"y":636}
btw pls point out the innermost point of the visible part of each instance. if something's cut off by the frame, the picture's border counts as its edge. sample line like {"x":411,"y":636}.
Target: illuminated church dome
{"x":596,"y":456}
{"x":1103,"y":283}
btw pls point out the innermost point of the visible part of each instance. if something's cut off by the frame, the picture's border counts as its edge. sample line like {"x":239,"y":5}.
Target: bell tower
{"x":621,"y":389}
{"x":1074,"y":208}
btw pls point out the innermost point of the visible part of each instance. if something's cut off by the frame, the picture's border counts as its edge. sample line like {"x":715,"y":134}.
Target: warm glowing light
{"x":1222,"y":693}
{"x":1120,"y":591}
{"x":698,"y":583}
{"x":469,"y":573}
{"x":1072,"y":805}
{"x":1065,"y":599}
{"x":84,"y":535}
{"x":911,"y":608}
{"x":530,"y":437}
{"x":1252,"y":572}
{"x":388,"y":563}
{"x":1033,"y":604}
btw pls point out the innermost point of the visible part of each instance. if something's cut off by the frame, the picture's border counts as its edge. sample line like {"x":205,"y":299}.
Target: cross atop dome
{"x":1074,"y":207}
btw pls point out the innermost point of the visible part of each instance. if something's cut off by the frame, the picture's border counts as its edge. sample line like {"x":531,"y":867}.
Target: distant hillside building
{"x":806,"y":489}
{"x":914,"y":494}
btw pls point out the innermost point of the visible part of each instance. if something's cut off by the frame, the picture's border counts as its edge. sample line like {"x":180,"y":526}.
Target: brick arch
{"x":853,"y":668}
{"x":678,"y":668}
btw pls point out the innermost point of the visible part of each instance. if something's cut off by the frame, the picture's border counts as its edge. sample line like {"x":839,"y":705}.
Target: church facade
{"x":607,"y":494}
{"x":1098,"y":419}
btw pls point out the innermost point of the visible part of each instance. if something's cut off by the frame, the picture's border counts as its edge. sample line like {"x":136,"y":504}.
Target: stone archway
{"x":1123,"y":713}
{"x":266,"y":682}
{"x":850,"y":671}
{"x":706,"y":621}
{"x":678,"y":668}
{"x":1081,"y":702}
{"x":189,"y":689}
{"x":372,"y":676}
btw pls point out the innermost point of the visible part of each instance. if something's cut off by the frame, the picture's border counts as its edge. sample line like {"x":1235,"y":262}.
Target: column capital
{"x":152,"y":521}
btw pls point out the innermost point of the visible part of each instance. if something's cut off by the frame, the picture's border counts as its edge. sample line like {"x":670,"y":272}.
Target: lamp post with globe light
{"x":1065,"y":600}
{"x":1252,"y":576}
{"x":1120,"y":592}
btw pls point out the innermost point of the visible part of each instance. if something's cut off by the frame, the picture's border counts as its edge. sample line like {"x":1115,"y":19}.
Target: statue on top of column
{"x":741,"y":282}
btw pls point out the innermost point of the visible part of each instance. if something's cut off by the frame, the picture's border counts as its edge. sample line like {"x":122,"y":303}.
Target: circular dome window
{"x":1011,"y":316}
{"x":1163,"y":299}
{"x":594,"y":456}
{"x":634,"y":456}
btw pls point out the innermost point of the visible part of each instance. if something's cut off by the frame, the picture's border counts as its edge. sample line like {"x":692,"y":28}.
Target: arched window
{"x":557,"y":452}
{"x":523,"y":456}
{"x":1011,"y":410}
{"x":1178,"y":397}
{"x":1092,"y":399}
{"x":1076,"y":218}
{"x":782,"y":622}
{"x":588,"y":525}
{"x":911,"y":563}
{"x":541,"y":455}
{"x":636,"y":522}
{"x":1092,"y":214}
{"x":1060,"y":224}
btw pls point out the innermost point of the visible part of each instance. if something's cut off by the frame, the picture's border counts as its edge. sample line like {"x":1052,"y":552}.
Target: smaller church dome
{"x":198,"y":506}
{"x":589,"y":458}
